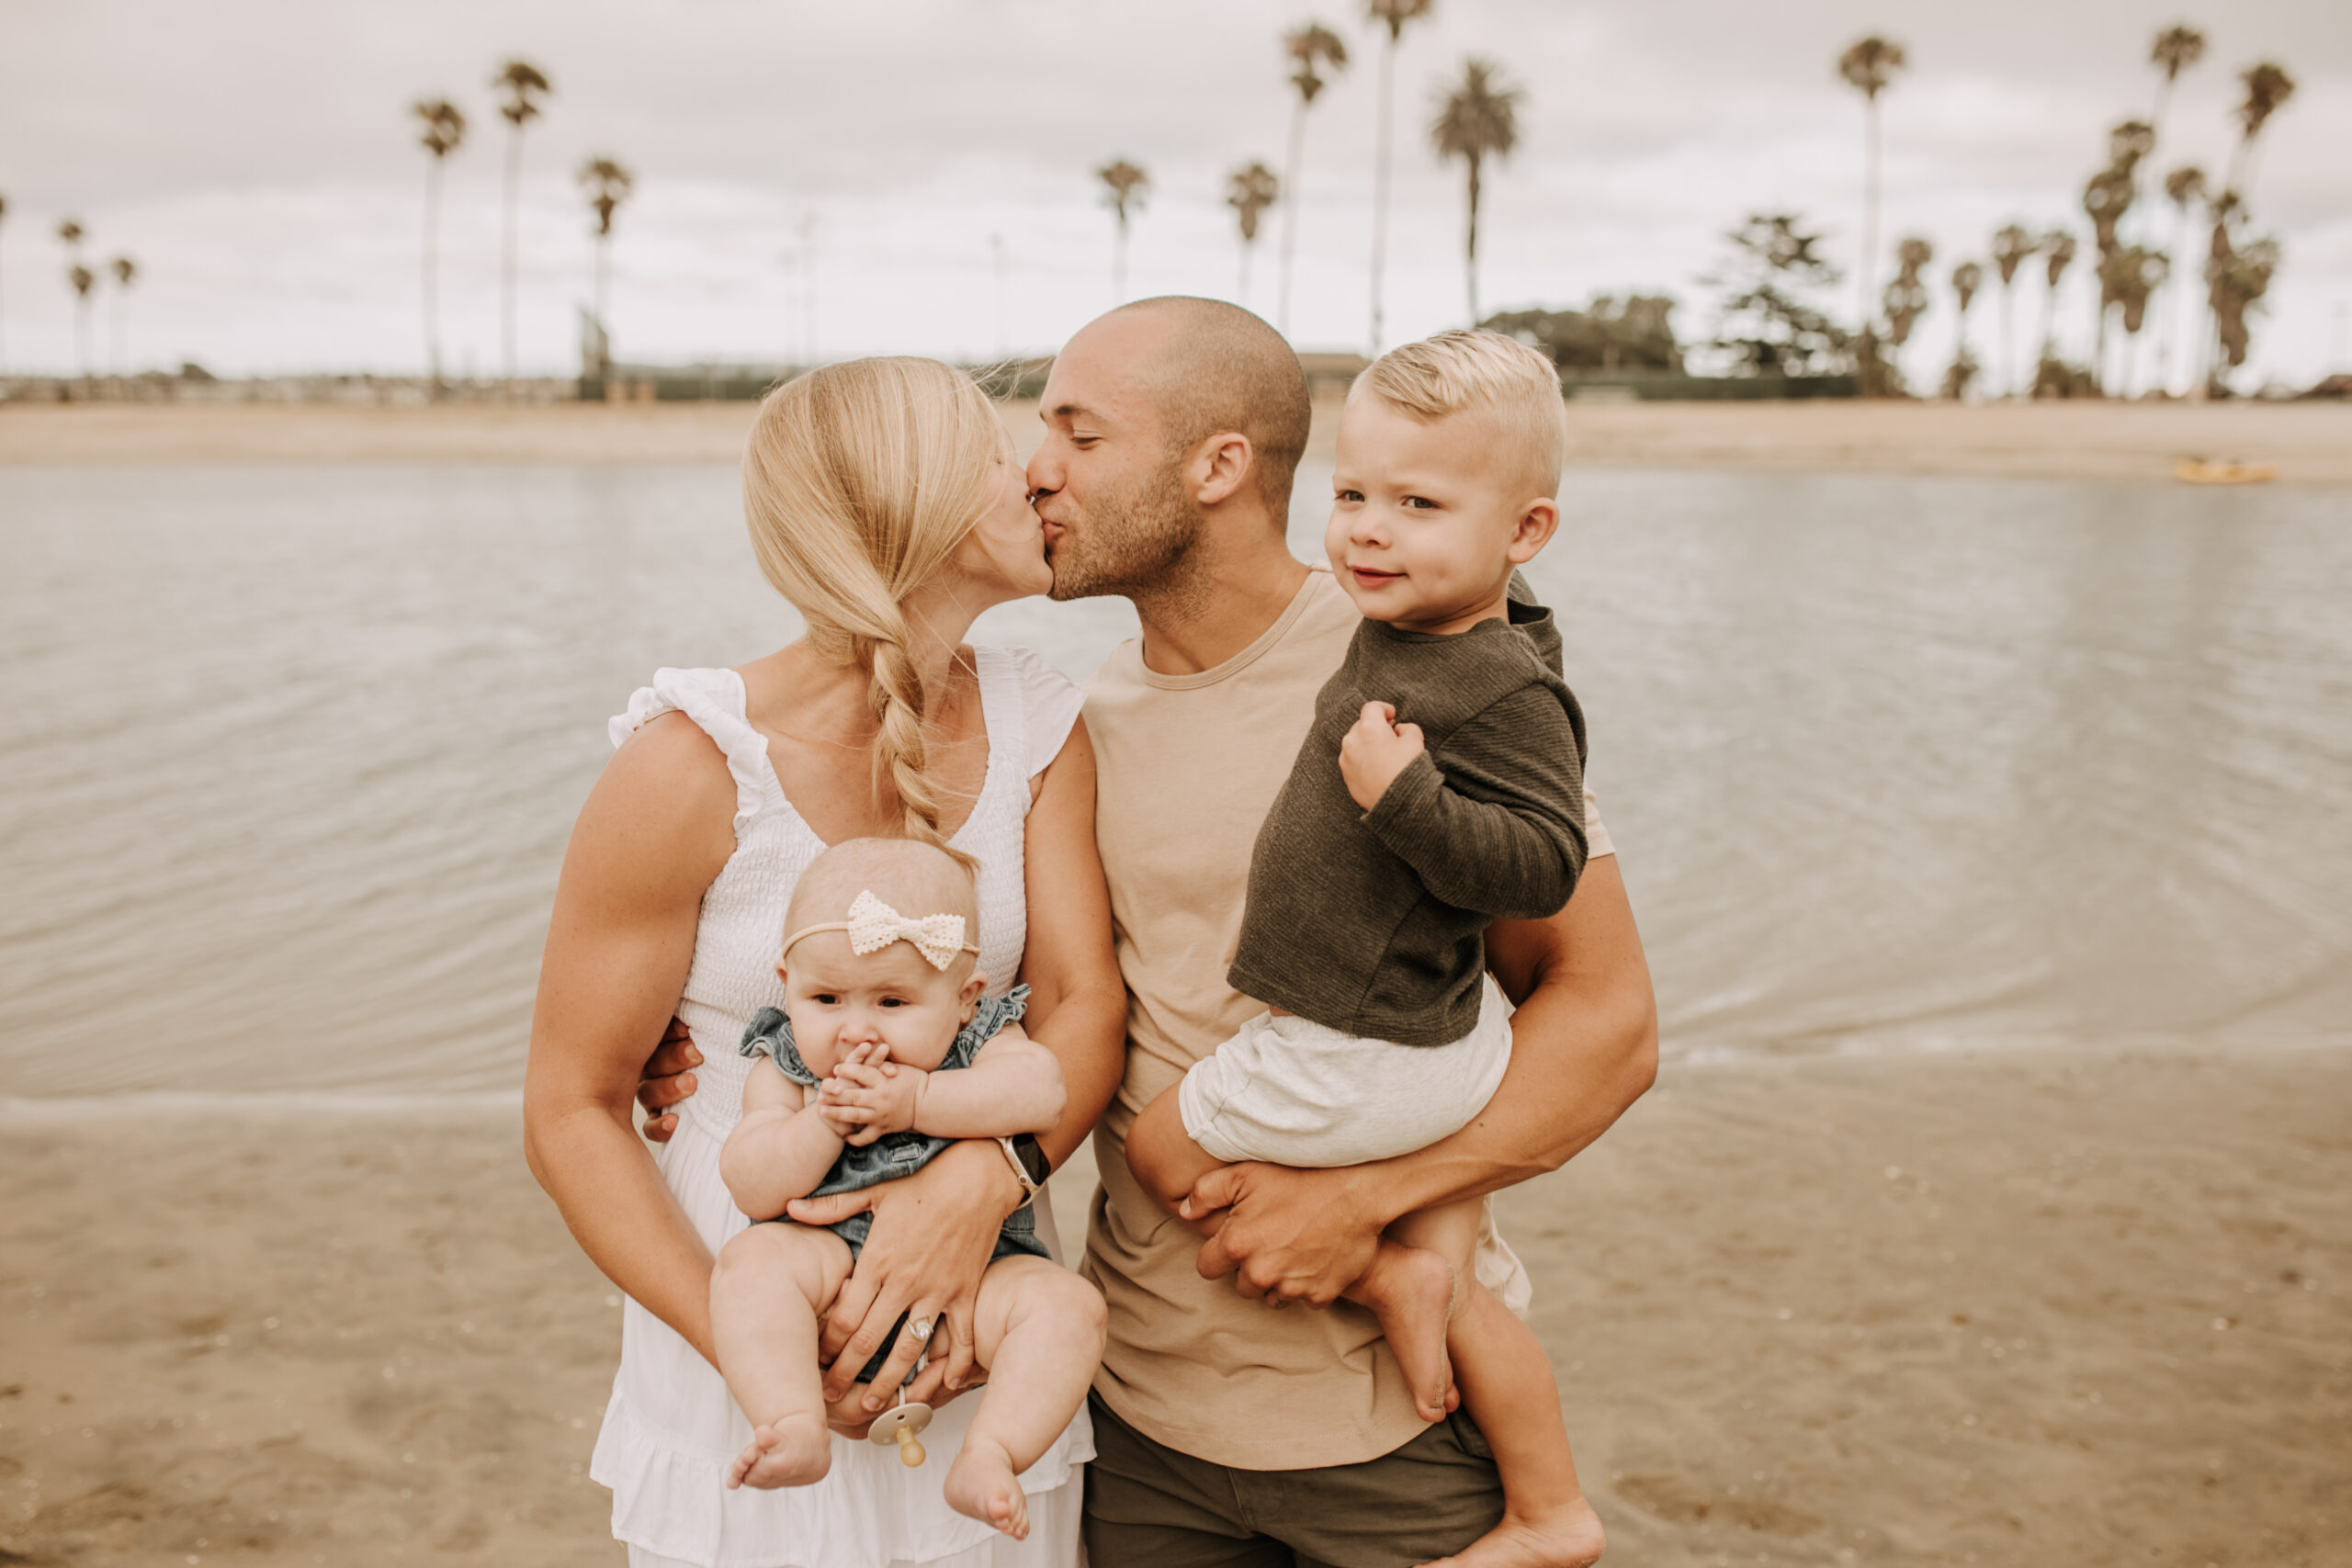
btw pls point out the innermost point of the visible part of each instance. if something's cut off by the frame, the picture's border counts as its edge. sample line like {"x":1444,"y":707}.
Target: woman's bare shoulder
{"x":667,"y":792}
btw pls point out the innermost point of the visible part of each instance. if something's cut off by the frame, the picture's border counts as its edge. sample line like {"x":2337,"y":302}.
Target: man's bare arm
{"x":1584,"y":1047}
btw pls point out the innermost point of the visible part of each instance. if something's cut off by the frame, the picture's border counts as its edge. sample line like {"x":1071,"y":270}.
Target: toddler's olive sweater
{"x":1371,"y":922}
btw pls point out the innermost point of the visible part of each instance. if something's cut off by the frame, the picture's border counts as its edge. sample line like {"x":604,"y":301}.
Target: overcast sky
{"x":846,"y":167}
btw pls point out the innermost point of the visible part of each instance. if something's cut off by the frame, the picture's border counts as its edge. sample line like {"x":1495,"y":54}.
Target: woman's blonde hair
{"x":860,"y":481}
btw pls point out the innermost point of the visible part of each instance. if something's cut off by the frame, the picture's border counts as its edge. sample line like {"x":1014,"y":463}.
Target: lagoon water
{"x":291,"y":753}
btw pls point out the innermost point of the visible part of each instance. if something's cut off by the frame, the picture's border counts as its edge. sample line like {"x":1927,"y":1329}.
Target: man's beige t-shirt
{"x":1189,"y":767}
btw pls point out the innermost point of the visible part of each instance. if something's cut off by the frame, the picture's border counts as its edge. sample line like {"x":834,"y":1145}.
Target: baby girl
{"x":885,"y":1050}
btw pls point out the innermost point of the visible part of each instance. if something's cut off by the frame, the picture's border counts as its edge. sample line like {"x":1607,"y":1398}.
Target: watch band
{"x":1029,"y":1184}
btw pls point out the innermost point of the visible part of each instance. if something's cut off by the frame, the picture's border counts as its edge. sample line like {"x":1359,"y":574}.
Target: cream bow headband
{"x":873,"y":925}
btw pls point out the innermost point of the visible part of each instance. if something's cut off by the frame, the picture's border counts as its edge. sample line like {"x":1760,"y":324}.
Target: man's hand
{"x":1374,"y":751}
{"x":870,"y":1099}
{"x":666,"y":1082}
{"x":1289,"y":1235}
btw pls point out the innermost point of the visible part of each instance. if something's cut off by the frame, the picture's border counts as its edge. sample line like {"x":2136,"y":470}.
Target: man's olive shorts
{"x":1149,"y":1506}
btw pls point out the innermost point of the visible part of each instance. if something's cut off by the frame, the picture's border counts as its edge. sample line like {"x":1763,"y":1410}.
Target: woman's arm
{"x":1584,"y":1047}
{"x":654,"y":834}
{"x":934,"y":1230}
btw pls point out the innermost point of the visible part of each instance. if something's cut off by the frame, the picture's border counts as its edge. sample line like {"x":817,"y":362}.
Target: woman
{"x":885,"y":503}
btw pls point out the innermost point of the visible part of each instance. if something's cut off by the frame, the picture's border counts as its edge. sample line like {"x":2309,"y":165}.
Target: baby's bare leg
{"x":767,"y":1290}
{"x":1506,"y":1384}
{"x":1417,"y":1276}
{"x":1038,"y":1330}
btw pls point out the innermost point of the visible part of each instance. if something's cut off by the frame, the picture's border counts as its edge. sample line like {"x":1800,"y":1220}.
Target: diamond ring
{"x":921,"y":1328}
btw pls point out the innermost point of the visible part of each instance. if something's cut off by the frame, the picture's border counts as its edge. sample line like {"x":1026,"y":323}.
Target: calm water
{"x":1894,"y":764}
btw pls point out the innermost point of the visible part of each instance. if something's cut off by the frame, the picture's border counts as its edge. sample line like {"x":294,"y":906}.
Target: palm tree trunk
{"x":507,"y":254}
{"x":115,"y":353}
{"x":2010,"y":339}
{"x":2098,"y":346}
{"x":1380,"y":188}
{"x":2168,"y":321}
{"x":1470,"y":248}
{"x":1242,"y":295}
{"x":432,"y":277}
{"x":1290,"y":210}
{"x":82,"y":334}
{"x":1119,"y":263}
{"x":2048,"y":326}
{"x":603,"y":324}
{"x":1870,"y":246}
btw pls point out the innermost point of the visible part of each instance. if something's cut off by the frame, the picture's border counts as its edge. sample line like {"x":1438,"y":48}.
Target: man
{"x":1227,"y":1433}
{"x":1230,"y":1435}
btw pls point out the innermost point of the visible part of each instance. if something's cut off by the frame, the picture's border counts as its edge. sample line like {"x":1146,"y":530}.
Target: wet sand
{"x":2087,"y":1308}
{"x":2308,"y":443}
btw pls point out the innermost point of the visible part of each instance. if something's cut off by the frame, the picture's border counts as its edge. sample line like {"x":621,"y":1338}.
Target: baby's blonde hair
{"x":859,"y":482}
{"x":1458,"y":371}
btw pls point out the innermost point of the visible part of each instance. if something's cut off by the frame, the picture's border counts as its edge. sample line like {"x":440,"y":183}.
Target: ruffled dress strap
{"x":713,"y":699}
{"x":1049,"y":702}
{"x":991,"y":1015}
{"x":769,"y":1034}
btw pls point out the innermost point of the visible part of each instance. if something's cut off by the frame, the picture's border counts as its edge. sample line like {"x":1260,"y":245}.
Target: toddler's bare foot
{"x":1411,"y":1290}
{"x":1568,"y":1536}
{"x":981,"y":1486}
{"x":795,"y":1452}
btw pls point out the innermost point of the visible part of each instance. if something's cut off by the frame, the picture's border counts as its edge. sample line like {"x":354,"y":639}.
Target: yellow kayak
{"x":2206,"y":471}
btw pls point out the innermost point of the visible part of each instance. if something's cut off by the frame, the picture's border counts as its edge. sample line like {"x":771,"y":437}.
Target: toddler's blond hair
{"x":1456,"y":372}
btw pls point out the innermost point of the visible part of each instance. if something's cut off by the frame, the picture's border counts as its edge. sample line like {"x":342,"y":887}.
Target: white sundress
{"x":671,"y":1430}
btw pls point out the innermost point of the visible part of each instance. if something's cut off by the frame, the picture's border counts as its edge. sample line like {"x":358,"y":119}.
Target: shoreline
{"x":2086,"y":1306}
{"x":2310,"y":444}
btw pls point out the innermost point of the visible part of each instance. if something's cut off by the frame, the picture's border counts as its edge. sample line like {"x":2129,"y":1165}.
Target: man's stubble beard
{"x":1137,"y":547}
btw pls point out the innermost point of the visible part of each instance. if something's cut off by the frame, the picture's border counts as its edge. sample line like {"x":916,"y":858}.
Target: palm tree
{"x":2176,"y":49}
{"x":1392,"y":15}
{"x":607,"y":185}
{"x":1906,"y":299}
{"x":2110,"y":195}
{"x":70,"y":233}
{"x":126,"y":273}
{"x":1869,"y":66}
{"x":1478,"y":118}
{"x":2058,"y":254}
{"x":2011,"y":246}
{"x":444,"y":133}
{"x":2129,"y":275}
{"x":2232,"y":283}
{"x":1125,"y":186}
{"x":1249,"y":191}
{"x":1312,"y":48}
{"x":1966,"y":280}
{"x":2268,"y":88}
{"x":2184,"y":187}
{"x":521,"y":82}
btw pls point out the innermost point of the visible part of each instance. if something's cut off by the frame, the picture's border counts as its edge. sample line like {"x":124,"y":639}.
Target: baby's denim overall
{"x":894,"y":1154}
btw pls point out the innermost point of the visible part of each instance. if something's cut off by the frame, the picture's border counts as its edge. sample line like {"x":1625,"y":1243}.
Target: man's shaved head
{"x":1217,"y":367}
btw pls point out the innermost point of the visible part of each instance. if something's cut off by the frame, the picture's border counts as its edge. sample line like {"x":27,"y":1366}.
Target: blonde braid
{"x":859,"y":482}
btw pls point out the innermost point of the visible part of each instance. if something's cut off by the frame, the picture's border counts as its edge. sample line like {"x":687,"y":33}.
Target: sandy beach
{"x":2090,"y":1308}
{"x":2308,"y":443}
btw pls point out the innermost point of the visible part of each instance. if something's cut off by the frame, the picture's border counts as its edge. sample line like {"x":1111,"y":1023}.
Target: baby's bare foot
{"x":981,"y":1486}
{"x":795,"y":1452}
{"x":1568,"y":1536}
{"x":1411,"y":1290}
